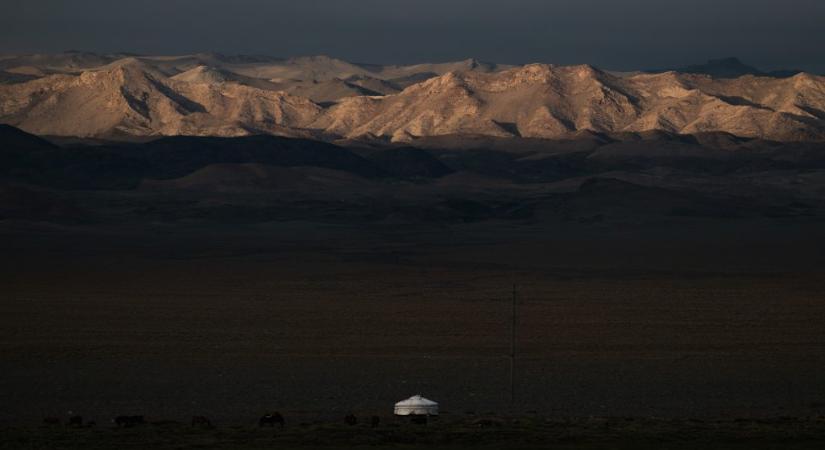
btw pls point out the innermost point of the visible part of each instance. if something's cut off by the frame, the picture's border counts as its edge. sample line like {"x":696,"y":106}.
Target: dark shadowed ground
{"x":661,"y":280}
{"x":690,"y":320}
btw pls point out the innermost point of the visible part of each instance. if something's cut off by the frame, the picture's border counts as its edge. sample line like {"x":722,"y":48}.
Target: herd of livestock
{"x":267,"y":420}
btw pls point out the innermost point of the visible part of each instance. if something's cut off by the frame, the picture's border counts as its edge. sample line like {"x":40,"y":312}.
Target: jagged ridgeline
{"x":125,"y":96}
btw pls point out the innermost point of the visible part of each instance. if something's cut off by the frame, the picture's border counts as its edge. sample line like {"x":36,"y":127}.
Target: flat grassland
{"x":697,"y":321}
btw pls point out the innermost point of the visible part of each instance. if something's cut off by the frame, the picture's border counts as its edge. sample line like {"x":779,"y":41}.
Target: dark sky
{"x":614,"y":34}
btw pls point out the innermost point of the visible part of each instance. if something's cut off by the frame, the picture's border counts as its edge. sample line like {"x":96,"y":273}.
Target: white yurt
{"x":416,"y":406}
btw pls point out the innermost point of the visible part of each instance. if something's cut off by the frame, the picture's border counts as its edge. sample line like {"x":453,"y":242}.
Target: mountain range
{"x":129,"y":97}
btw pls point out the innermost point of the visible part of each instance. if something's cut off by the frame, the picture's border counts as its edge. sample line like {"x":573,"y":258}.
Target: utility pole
{"x":513,"y":352}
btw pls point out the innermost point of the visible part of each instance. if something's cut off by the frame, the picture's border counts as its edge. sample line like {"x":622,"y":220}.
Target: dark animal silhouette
{"x":270,"y":420}
{"x":129,"y":421}
{"x":351,"y":420}
{"x":75,"y":421}
{"x":201,"y":421}
{"x":51,"y":421}
{"x":375,"y":421}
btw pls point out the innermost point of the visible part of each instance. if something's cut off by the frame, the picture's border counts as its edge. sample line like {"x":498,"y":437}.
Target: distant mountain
{"x":70,"y":61}
{"x":728,"y":68}
{"x":210,"y":75}
{"x":722,"y":68}
{"x":330,"y":99}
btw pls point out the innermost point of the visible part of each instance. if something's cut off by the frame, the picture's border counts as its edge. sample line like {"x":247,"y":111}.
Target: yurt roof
{"x":416,"y":400}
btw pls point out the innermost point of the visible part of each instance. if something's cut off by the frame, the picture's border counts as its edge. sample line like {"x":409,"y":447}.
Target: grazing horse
{"x":271,"y":419}
{"x":375,"y":421}
{"x":75,"y":421}
{"x":351,"y":420}
{"x":128,"y":421}
{"x":201,"y":421}
{"x":51,"y":421}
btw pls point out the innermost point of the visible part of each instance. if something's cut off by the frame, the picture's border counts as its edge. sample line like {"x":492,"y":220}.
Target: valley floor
{"x":699,"y":319}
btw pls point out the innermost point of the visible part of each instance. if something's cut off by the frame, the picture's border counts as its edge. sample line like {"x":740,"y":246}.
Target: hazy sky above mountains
{"x":614,"y":34}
